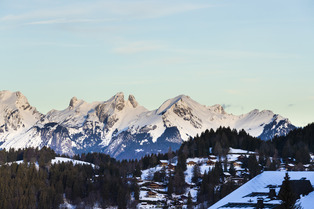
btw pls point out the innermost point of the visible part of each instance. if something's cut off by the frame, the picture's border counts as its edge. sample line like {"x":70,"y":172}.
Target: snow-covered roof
{"x":197,"y":160}
{"x":307,"y":201}
{"x":261,"y":184}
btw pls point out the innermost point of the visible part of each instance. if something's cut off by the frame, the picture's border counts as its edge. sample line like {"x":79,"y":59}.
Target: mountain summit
{"x":123,"y":128}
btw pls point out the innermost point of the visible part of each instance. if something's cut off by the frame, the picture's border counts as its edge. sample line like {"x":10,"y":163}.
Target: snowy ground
{"x":67,"y":160}
{"x":59,"y":160}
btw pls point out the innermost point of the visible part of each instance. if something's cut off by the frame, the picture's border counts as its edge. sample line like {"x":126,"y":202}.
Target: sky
{"x":242,"y":54}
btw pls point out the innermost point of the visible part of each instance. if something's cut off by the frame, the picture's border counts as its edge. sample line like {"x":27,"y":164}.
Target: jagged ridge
{"x":123,"y":128}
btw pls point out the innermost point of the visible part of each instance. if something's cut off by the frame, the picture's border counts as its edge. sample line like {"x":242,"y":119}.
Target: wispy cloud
{"x":100,"y":11}
{"x":232,"y":91}
{"x":225,"y":106}
{"x":154,"y":9}
{"x":250,"y":80}
{"x":67,"y":21}
{"x":139,"y":46}
{"x":56,"y":44}
{"x":228,"y":106}
{"x":237,"y":54}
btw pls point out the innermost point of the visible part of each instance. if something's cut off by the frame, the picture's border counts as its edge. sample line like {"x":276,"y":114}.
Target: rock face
{"x":122,"y":128}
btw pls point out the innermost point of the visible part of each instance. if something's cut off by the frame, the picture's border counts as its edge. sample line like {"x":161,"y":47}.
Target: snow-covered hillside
{"x":123,"y":128}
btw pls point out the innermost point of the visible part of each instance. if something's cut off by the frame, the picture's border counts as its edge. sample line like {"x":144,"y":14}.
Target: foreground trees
{"x":36,"y":183}
{"x":287,"y":196}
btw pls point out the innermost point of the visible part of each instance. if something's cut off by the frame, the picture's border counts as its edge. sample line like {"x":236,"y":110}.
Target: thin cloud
{"x":228,"y":106}
{"x":250,"y":80}
{"x":137,"y":47}
{"x":56,"y":44}
{"x":225,"y":106}
{"x":232,"y":91}
{"x":67,"y":21}
{"x":108,"y":10}
{"x":237,"y":54}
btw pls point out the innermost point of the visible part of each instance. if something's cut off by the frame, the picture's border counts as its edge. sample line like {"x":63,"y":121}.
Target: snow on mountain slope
{"x":191,"y":118}
{"x":119,"y":127}
{"x":16,"y":117}
{"x":94,"y":124}
{"x":181,"y":117}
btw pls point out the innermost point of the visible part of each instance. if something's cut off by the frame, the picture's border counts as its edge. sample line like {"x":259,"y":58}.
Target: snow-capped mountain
{"x":123,"y":128}
{"x":17,"y":116}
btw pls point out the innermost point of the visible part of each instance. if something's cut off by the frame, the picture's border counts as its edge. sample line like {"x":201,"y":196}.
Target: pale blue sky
{"x":242,"y":54}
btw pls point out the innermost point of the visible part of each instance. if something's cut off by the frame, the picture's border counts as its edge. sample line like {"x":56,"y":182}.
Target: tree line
{"x":37,"y":183}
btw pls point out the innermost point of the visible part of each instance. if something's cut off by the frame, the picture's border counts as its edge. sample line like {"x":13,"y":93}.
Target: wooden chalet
{"x":139,"y":180}
{"x":300,"y":187}
{"x":153,"y":185}
{"x":171,"y":167}
{"x":210,"y":162}
{"x":241,"y":157}
{"x":191,"y":163}
{"x":237,"y":180}
{"x":164,"y":163}
{"x":237,"y":163}
{"x":184,"y":198}
{"x":212,"y":157}
{"x":151,"y":194}
{"x":289,"y":166}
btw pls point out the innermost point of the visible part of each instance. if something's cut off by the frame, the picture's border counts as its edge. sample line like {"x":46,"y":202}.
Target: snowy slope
{"x":17,"y":116}
{"x":307,"y":201}
{"x":103,"y":118}
{"x":123,"y":128}
{"x":192,"y":118}
{"x":69,"y":160}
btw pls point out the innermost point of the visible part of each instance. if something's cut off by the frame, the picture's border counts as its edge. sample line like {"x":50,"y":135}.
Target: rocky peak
{"x":218,"y":109}
{"x":170,"y":103}
{"x":118,"y":101}
{"x":4,"y":94}
{"x":104,"y":110}
{"x":73,"y":102}
{"x":16,"y":112}
{"x":133,"y":101}
{"x":14,"y":100}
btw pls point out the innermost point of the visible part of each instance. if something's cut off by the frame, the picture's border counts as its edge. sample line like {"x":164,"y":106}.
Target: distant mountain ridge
{"x":123,"y":128}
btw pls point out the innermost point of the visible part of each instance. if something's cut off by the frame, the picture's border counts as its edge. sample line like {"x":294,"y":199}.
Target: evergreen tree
{"x":189,"y":201}
{"x":137,"y":171}
{"x":169,"y":154}
{"x":136,"y":192}
{"x":253,"y":166}
{"x":179,"y":181}
{"x":232,"y":170}
{"x":181,"y":161}
{"x":196,"y":174}
{"x":170,"y":187}
{"x":286,"y":195}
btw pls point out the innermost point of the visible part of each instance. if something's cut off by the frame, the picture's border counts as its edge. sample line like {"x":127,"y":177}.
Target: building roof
{"x":260,"y":185}
{"x":301,"y":187}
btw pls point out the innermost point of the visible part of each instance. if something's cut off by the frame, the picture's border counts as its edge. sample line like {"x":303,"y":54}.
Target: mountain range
{"x":123,"y":128}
